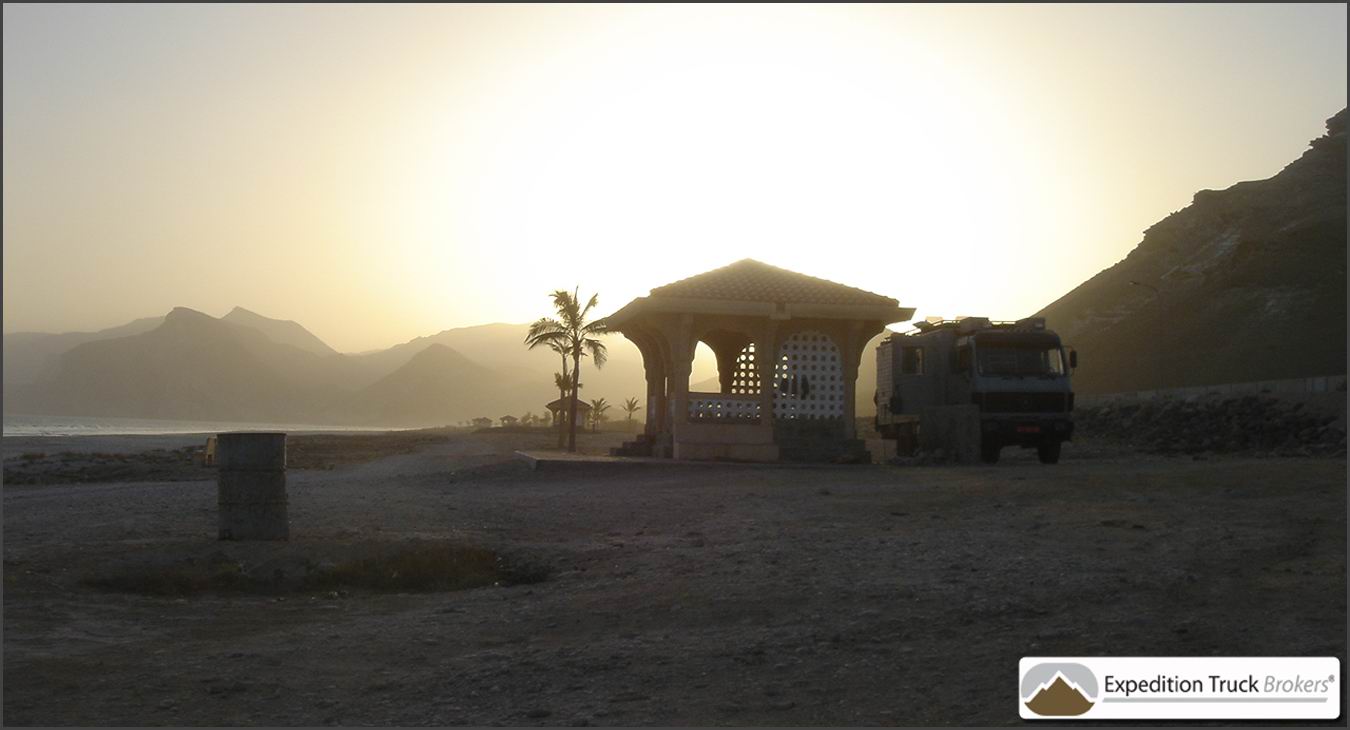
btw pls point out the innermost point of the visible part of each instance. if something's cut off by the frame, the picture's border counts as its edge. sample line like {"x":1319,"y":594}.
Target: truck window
{"x":961,"y":363}
{"x":1019,"y":360}
{"x":911,"y":360}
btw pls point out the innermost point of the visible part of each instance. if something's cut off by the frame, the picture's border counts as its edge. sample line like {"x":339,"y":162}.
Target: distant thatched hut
{"x":558,"y":407}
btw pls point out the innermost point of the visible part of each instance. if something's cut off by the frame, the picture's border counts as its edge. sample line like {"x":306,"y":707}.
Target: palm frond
{"x":546,"y":331}
{"x":594,"y":300}
{"x":597,"y":350}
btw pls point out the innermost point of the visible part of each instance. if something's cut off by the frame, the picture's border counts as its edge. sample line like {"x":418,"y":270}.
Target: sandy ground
{"x":680,"y":594}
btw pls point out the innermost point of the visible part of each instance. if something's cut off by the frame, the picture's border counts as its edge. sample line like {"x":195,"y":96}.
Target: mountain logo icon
{"x":1059,"y":689}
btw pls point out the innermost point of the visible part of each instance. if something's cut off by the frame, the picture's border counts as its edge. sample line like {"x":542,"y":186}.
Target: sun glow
{"x":384,"y":172}
{"x":812,"y":141}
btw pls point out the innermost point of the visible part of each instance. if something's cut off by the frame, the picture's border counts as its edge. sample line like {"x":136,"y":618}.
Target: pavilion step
{"x":641,"y":446}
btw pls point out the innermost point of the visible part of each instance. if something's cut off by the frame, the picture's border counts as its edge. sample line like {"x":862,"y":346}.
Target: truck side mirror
{"x":1073,"y":359}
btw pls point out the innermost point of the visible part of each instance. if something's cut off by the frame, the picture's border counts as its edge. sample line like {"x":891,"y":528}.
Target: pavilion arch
{"x":738,"y":398}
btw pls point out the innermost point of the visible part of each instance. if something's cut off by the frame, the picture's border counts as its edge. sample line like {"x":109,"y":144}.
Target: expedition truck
{"x":1015,"y":373}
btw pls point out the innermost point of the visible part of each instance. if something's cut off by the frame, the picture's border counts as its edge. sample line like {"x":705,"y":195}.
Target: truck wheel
{"x":1049,"y":451}
{"x":989,"y":449}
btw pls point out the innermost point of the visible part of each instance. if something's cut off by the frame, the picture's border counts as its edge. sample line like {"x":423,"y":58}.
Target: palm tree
{"x":574,"y":336}
{"x":631,"y":406}
{"x":598,"y":408}
{"x":562,"y":381}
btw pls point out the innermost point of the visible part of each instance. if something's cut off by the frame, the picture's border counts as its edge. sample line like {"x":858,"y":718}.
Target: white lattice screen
{"x":808,"y":378}
{"x":745,"y":378}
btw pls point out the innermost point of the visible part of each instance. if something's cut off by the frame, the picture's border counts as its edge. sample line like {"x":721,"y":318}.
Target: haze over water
{"x":26,"y":425}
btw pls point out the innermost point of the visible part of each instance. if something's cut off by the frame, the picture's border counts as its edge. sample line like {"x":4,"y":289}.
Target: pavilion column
{"x":656,"y":395}
{"x":766,"y":352}
{"x":850,"y":351}
{"x":681,"y":365}
{"x":726,"y":366}
{"x":661,"y":342}
{"x":726,"y":347}
{"x":850,"y":400}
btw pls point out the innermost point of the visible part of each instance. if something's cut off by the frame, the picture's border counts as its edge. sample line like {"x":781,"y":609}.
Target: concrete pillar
{"x":850,"y":375}
{"x":726,"y":346}
{"x":652,"y":418}
{"x":726,"y":367}
{"x":678,"y":402}
{"x":251,"y":486}
{"x":681,"y":350}
{"x":851,"y":346}
{"x":766,"y":358}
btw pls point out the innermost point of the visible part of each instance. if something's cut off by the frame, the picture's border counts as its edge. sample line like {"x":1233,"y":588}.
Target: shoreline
{"x":129,"y":443}
{"x":26,"y":425}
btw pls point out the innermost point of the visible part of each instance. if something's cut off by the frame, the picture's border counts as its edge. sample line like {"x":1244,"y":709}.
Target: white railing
{"x":723,"y":407}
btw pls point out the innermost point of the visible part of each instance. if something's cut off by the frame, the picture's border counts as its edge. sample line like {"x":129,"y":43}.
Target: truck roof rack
{"x":972,"y":324}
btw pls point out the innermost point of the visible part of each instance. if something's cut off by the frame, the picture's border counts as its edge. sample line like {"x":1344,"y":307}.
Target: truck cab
{"x":1016,"y":374}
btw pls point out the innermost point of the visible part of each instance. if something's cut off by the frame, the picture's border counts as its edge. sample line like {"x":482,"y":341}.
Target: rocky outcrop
{"x":1213,"y":424}
{"x":1247,"y":283}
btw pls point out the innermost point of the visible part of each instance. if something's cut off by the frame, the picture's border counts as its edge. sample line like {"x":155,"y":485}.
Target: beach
{"x":673,"y":593}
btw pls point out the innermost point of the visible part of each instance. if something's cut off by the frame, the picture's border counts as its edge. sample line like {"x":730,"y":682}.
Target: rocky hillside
{"x":1247,"y":283}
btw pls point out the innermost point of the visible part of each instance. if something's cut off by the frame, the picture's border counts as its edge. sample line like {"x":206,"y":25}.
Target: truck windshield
{"x":1018,"y":360}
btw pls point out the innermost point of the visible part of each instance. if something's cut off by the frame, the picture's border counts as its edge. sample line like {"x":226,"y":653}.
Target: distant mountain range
{"x":28,"y":354}
{"x":280,"y":331}
{"x":247,"y":367}
{"x":1247,"y":283}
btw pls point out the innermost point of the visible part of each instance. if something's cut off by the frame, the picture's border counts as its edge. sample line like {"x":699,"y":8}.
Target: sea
{"x":24,"y":425}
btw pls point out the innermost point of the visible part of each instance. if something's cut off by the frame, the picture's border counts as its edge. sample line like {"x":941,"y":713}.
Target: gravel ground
{"x":863,"y":595}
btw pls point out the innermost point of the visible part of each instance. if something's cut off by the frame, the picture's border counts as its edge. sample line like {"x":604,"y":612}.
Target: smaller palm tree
{"x":631,"y":406}
{"x":598,"y":408}
{"x":570,"y":333}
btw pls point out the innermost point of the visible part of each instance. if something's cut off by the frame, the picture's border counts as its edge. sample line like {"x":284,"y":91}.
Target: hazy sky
{"x":379,"y":173}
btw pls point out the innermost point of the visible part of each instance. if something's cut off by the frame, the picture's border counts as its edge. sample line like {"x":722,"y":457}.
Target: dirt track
{"x":680,"y":595}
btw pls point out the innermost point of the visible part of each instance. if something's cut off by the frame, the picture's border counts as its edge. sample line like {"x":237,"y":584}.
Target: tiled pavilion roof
{"x":560,"y":404}
{"x":749,"y":280}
